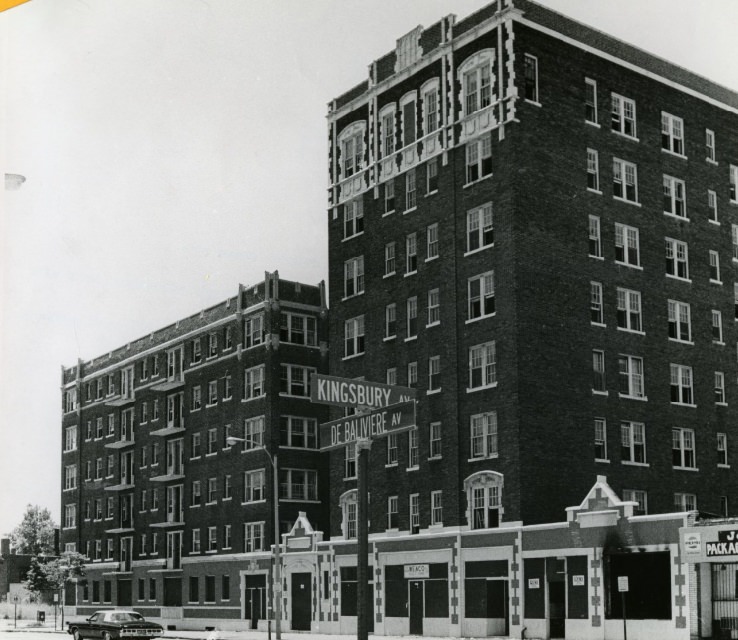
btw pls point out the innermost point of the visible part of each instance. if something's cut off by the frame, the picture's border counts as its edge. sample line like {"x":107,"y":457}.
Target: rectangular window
{"x":253,"y":536}
{"x":627,"y":245}
{"x":409,"y":125}
{"x":733,"y":191}
{"x":633,"y":442}
{"x":227,"y":338}
{"x":434,"y":307}
{"x":392,"y":504}
{"x":479,"y":229}
{"x":477,"y":88}
{"x":196,"y":495}
{"x":629,"y":310}
{"x":722,"y":449}
{"x":680,"y":323}
{"x":624,"y":180}
{"x":212,"y":490}
{"x":715,"y":267}
{"x":212,"y":345}
{"x":430,"y":109}
{"x":717,"y":326}
{"x":412,"y":449}
{"x":479,"y":158}
{"x":431,"y":176}
{"x":713,"y":208}
{"x":353,"y":277}
{"x":414,"y":513}
{"x":682,"y":449}
{"x":411,"y":253}
{"x":225,"y":581}
{"x":353,"y":218}
{"x":434,"y":436}
{"x":685,"y":502}
{"x":600,"y":438}
{"x":389,"y":196}
{"x":299,"y":432}
{"x":253,"y":331}
{"x":297,"y":328}
{"x":596,"y":314}
{"x":70,"y":439}
{"x":595,"y":237}
{"x":631,"y":376}
{"x":392,"y":449}
{"x":710,"y":145}
{"x":481,"y":291}
{"x":210,"y":585}
{"x":70,"y":516}
{"x":389,"y":259}
{"x":531,"y":78}
{"x":483,"y":429}
{"x":677,"y":259}
{"x":253,"y":486}
{"x":719,"y":387}
{"x":196,"y":548}
{"x":390,"y":321}
{"x":674,"y":197}
{"x":639,"y":497}
{"x":412,"y":374}
{"x":593,"y":170}
{"x":70,"y":477}
{"x":432,"y":242}
{"x":227,"y":487}
{"x":681,"y":384}
{"x":434,"y":373}
{"x":410,"y":190}
{"x":412,"y":317}
{"x":623,"y":115}
{"x":298,"y":484}
{"x":212,"y":392}
{"x":254,"y":383}
{"x":436,"y":507}
{"x":349,"y":462}
{"x":672,"y":133}
{"x":599,"y":380}
{"x":354,"y":337}
{"x":388,"y":134}
{"x":212,"y":440}
{"x":391,"y":376}
{"x":590,"y":100}
{"x":294,"y":380}
{"x":482,"y":366}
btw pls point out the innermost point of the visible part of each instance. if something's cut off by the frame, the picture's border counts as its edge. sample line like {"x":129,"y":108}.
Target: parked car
{"x":114,"y":624}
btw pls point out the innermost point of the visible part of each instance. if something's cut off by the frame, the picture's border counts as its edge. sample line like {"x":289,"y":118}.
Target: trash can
{"x":40,"y":616}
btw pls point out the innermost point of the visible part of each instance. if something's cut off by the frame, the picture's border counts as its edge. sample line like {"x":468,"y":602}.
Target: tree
{"x":35,"y":534}
{"x":50,"y":574}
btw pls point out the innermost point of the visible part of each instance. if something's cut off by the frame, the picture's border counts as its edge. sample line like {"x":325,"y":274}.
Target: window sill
{"x":684,"y":404}
{"x":356,"y":235}
{"x":627,"y":264}
{"x":473,"y":251}
{"x":626,"y":330}
{"x":388,"y":213}
{"x":596,"y":257}
{"x":389,"y":275}
{"x":411,"y":338}
{"x":598,"y":324}
{"x":686,"y":469}
{"x":676,"y":216}
{"x":597,"y":191}
{"x":482,"y":388}
{"x":535,"y":103}
{"x":432,"y":392}
{"x":477,"y":181}
{"x":255,"y":501}
{"x":263,"y":395}
{"x":410,"y":210}
{"x":227,"y":399}
{"x":284,"y":394}
{"x":388,"y":338}
{"x":603,"y":460}
{"x":435,"y":458}
{"x":431,"y":259}
{"x":351,"y":357}
{"x":433,"y":324}
{"x":390,"y":465}
{"x":597,"y":125}
{"x":720,"y":282}
{"x":481,"y":458}
{"x":721,"y":404}
{"x":711,"y":161}
{"x":478,"y":318}
{"x":624,"y":396}
{"x":410,"y":273}
{"x":625,"y":135}
{"x":430,"y":193}
{"x":195,"y":409}
{"x":681,"y":341}
{"x":195,"y":506}
{"x":723,"y":466}
{"x":353,"y":295}
{"x":600,"y":393}
{"x":212,"y":404}
{"x":719,"y":343}
{"x":716,"y":223}
{"x":673,"y":277}
{"x":415,"y":468}
{"x":628,"y":463}
{"x":635,"y":203}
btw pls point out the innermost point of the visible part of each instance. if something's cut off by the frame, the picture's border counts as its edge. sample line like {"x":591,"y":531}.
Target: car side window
{"x":94,"y":617}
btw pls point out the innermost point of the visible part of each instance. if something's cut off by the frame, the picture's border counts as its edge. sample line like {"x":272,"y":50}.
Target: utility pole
{"x":362,"y":535}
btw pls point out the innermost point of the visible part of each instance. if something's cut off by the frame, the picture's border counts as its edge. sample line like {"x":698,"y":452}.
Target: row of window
{"x":633,"y":445}
{"x":631,"y":380}
{"x":630,"y":315}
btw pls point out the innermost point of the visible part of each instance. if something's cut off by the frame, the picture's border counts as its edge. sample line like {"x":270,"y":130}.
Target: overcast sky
{"x":176,"y":148}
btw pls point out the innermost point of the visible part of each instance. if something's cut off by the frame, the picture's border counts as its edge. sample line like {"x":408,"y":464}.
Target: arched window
{"x":484,"y":499}
{"x":476,"y":78}
{"x":351,"y":144}
{"x":349,"y":509}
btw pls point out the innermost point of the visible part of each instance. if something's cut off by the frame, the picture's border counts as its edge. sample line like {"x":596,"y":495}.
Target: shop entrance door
{"x":300,"y":601}
{"x":254,"y":599}
{"x":416,"y":607}
{"x":725,"y":600}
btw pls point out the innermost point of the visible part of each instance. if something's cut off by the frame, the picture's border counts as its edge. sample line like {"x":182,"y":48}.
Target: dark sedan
{"x":115,"y":625}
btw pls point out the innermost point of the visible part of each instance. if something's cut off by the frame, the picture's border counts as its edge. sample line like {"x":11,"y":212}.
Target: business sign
{"x":693,"y":544}
{"x":577,"y":581}
{"x":382,"y":422}
{"x":416,"y":571}
{"x":710,"y":543}
{"x":622,"y":583}
{"x":534,"y":583}
{"x":347,"y":392}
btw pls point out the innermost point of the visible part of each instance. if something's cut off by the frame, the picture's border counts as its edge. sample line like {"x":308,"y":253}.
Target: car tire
{"x":76,"y":634}
{"x":106,"y":635}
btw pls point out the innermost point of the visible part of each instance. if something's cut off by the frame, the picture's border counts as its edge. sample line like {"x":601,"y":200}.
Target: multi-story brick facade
{"x":168,"y":512}
{"x":537,"y":226}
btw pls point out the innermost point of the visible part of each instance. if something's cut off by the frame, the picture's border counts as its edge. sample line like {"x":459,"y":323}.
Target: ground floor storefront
{"x":570,"y":579}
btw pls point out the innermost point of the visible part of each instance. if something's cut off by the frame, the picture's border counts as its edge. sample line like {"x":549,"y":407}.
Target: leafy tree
{"x":50,"y":574}
{"x":35,"y":534}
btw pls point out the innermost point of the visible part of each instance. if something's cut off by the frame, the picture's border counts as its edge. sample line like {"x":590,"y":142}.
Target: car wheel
{"x":75,"y":633}
{"x":106,"y":635}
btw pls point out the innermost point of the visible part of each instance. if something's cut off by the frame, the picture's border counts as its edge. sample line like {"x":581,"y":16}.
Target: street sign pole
{"x":362,"y":534}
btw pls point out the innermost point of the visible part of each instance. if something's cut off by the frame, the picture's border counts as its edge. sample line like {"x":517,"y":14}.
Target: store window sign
{"x":534,"y":583}
{"x":577,"y":581}
{"x":692,"y":543}
{"x":416,"y":571}
{"x":728,"y":535}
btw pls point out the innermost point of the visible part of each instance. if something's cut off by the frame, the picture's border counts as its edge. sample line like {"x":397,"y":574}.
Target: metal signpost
{"x":382,"y":409}
{"x":623,"y":588}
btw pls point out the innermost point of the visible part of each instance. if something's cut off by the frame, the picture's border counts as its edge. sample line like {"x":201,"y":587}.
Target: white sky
{"x":174,"y":148}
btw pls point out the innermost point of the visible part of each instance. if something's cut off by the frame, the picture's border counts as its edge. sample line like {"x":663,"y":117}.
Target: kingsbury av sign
{"x":347,"y":392}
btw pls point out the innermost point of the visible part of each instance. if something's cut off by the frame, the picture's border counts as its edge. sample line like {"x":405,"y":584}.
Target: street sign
{"x":347,"y":392}
{"x":382,"y":422}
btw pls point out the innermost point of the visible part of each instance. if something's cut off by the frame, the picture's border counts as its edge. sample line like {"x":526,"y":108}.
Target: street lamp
{"x":277,"y":584}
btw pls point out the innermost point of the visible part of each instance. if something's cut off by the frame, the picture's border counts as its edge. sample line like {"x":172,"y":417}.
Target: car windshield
{"x":125,"y":616}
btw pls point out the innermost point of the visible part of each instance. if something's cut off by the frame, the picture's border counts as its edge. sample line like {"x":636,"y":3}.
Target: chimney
{"x":4,"y":547}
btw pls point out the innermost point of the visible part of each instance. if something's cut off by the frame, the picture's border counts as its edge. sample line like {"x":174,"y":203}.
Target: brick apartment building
{"x":537,"y":226}
{"x":154,"y":495}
